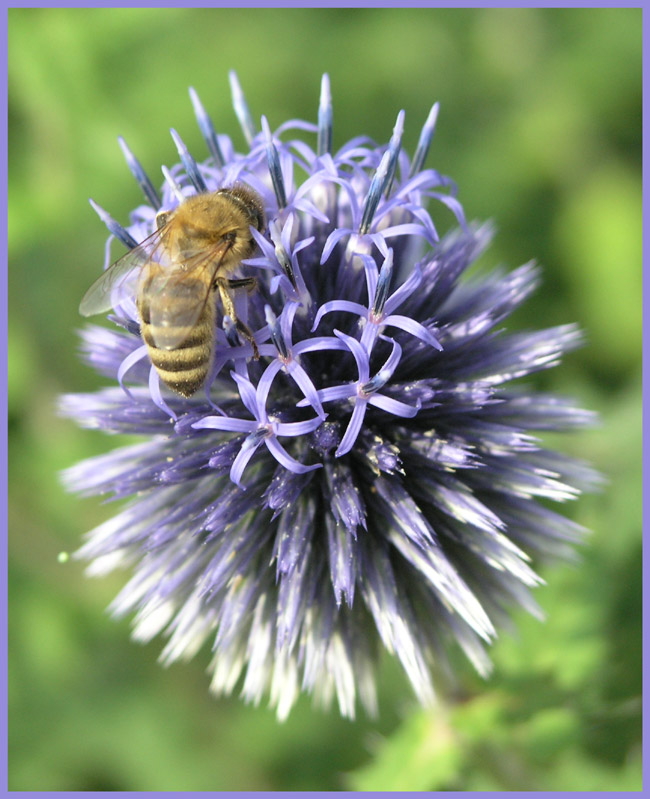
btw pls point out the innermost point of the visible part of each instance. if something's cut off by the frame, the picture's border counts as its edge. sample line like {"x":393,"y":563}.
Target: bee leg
{"x":249,"y":283}
{"x":229,"y":307}
{"x":247,"y":333}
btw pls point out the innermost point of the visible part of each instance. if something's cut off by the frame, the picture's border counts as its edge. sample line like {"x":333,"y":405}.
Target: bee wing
{"x":175,"y":296}
{"x":119,"y":279}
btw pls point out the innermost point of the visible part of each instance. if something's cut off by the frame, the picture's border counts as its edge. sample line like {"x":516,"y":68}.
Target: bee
{"x":176,"y":273}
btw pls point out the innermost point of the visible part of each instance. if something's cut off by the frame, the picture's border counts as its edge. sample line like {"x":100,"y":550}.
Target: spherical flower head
{"x":372,"y":478}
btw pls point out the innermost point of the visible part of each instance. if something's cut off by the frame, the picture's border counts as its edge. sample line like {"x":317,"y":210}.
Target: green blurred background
{"x":540,"y":125}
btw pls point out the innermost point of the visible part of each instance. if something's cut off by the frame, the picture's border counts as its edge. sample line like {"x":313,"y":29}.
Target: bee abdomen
{"x":194,"y":337}
{"x":184,"y":368}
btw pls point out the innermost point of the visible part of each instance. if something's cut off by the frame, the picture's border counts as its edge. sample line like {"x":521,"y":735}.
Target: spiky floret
{"x":373,"y":478}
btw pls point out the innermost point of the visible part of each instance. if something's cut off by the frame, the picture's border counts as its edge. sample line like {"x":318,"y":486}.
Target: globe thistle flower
{"x":372,"y":480}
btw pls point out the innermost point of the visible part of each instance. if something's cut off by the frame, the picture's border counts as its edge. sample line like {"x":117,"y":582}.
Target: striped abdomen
{"x":185,"y":367}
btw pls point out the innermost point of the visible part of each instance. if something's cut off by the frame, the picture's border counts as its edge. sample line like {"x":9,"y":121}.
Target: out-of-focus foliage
{"x":540,"y":125}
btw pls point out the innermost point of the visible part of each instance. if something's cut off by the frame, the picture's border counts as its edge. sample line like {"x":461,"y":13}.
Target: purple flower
{"x":373,"y":477}
{"x":262,"y":429}
{"x":364,"y":391}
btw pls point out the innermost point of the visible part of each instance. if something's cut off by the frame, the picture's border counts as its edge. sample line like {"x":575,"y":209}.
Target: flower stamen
{"x":374,"y":194}
{"x":325,"y":117}
{"x":114,"y":226}
{"x":140,"y":175}
{"x":207,"y":130}
{"x":426,"y":137}
{"x":241,"y":108}
{"x":190,"y":165}
{"x":275,"y":170}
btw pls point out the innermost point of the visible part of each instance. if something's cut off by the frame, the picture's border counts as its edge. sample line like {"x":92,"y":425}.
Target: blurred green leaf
{"x":600,"y":231}
{"x":423,"y":755}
